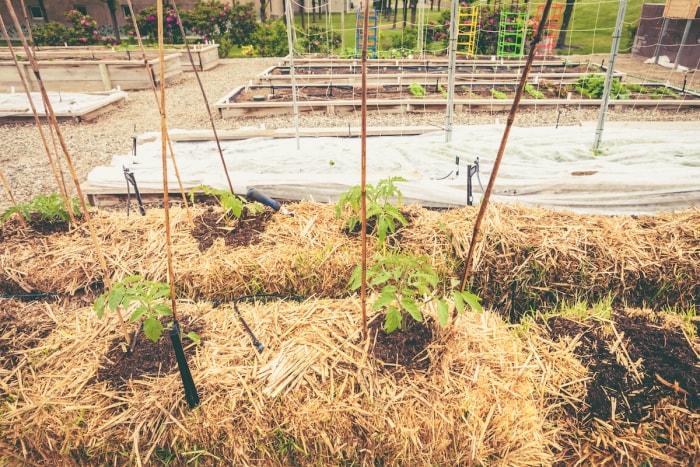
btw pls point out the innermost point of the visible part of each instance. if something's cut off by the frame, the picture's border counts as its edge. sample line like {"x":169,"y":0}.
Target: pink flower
{"x":151,"y":18}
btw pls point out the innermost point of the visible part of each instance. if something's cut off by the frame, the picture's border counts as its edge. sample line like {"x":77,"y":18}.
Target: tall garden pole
{"x":609,"y":75}
{"x":686,"y":31}
{"x":454,"y":18}
{"x":290,"y":26}
{"x":476,"y":234}
{"x":363,"y":177}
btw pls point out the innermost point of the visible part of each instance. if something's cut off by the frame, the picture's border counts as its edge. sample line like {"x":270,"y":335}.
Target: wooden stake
{"x":511,"y":117}
{"x":363,"y":183}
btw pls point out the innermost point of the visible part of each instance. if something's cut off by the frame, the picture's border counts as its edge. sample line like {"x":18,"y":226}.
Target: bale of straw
{"x":529,"y":258}
{"x":315,"y":395}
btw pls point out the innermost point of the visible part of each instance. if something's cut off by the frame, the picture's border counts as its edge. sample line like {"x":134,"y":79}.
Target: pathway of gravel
{"x":23,"y":159}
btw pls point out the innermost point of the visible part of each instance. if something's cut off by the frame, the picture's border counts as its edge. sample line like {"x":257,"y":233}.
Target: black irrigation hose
{"x":256,"y":343}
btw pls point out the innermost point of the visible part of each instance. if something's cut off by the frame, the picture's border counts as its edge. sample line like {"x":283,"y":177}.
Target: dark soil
{"x":146,"y":359}
{"x":668,"y":367}
{"x":333,"y":92}
{"x":403,"y":348}
{"x":242,"y":232}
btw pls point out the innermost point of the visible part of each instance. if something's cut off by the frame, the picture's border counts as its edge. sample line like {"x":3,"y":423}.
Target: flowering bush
{"x":147,"y":22}
{"x":209,"y":21}
{"x":318,"y":40}
{"x":83,"y":32}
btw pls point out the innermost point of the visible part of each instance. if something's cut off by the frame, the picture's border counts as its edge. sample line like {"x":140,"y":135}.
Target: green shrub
{"x":270,"y":39}
{"x":319,"y":40}
{"x":83,"y":32}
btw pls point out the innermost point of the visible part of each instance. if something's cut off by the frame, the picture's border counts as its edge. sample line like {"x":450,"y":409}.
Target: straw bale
{"x":314,"y":395}
{"x":528,"y":258}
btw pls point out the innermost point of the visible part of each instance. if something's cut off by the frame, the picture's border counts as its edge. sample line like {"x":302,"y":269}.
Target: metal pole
{"x":454,"y":18}
{"x":609,"y":76}
{"x":660,"y":43}
{"x":290,"y":26}
{"x":680,"y":48}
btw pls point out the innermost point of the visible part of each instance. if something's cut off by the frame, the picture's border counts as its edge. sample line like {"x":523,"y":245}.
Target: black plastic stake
{"x":187,"y":381}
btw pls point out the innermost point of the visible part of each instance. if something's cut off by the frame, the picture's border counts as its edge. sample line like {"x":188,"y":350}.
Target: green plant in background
{"x":149,"y":298}
{"x":407,"y":284}
{"x":655,"y":92}
{"x":45,"y":208}
{"x":498,"y":94}
{"x":532,"y":91}
{"x":593,"y":86}
{"x":270,"y":39}
{"x":385,"y":215}
{"x":417,"y":90}
{"x":318,"y":39}
{"x":232,"y":204}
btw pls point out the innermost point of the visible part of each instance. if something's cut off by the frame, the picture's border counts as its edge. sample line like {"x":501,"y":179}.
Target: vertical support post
{"x":609,"y":75}
{"x":680,"y":47}
{"x":661,"y":39}
{"x":454,"y":18}
{"x":290,"y":27}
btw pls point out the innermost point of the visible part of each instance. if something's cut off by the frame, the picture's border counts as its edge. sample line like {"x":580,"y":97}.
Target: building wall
{"x":647,"y":42}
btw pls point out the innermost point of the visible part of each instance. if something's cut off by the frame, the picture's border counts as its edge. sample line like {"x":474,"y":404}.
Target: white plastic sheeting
{"x":642,"y":168}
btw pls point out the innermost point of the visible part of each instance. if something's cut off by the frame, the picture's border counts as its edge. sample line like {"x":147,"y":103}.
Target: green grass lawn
{"x":590,"y":30}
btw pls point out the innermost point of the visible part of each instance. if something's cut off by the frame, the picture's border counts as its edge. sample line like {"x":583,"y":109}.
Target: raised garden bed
{"x":205,"y":56}
{"x":89,"y":75}
{"x":332,"y":98}
{"x":349,"y":72}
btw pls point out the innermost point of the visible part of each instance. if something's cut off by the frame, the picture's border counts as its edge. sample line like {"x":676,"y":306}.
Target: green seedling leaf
{"x":115,"y":298}
{"x":138,"y":313}
{"x":152,"y":328}
{"x":413,"y":309}
{"x":443,"y":312}
{"x":392,"y":322}
{"x":194,"y":337}
{"x":162,"y":309}
{"x":99,"y":306}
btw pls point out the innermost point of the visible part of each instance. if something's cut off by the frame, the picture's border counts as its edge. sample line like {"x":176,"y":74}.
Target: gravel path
{"x":23,"y":160}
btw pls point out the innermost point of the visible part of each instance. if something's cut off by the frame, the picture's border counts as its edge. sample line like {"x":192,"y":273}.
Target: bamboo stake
{"x":188,"y":383}
{"x":12,"y":198}
{"x":164,"y":160}
{"x":155,"y":95}
{"x":55,"y":166}
{"x":363,"y":183}
{"x":204,"y":94}
{"x":69,"y":162}
{"x":511,"y":117}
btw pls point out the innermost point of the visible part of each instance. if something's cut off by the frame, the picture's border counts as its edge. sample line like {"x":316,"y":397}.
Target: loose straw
{"x":363,"y":183}
{"x":204,"y":95}
{"x":158,"y":102}
{"x":69,"y":162}
{"x":511,"y":117}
